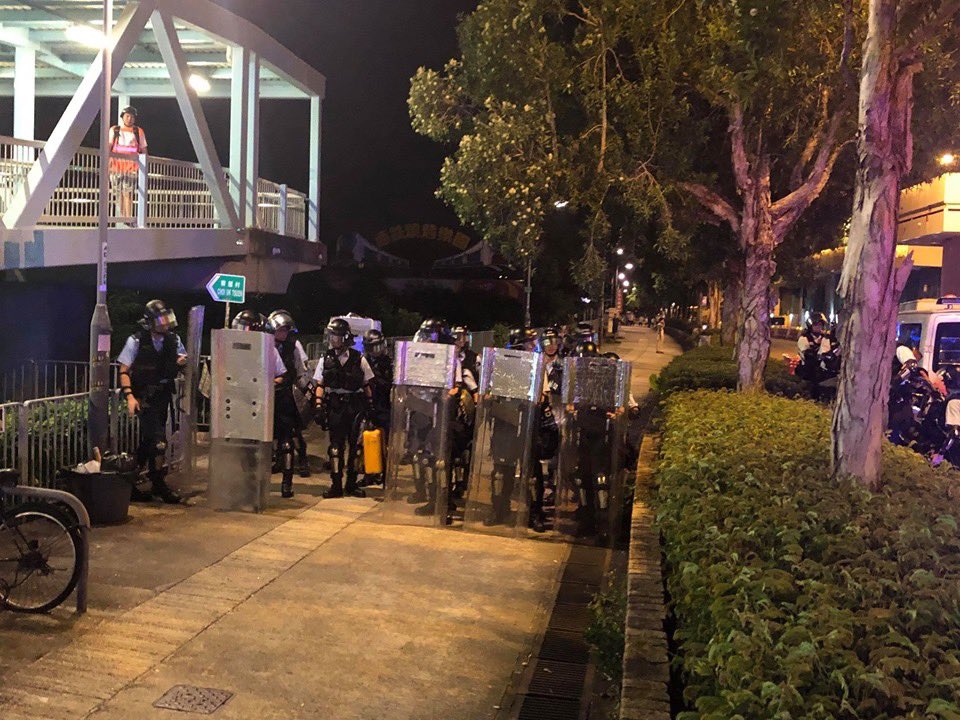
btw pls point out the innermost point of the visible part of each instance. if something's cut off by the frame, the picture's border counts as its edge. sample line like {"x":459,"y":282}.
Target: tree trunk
{"x":870,"y":284}
{"x":714,"y":293}
{"x":731,"y":304}
{"x":758,"y":242}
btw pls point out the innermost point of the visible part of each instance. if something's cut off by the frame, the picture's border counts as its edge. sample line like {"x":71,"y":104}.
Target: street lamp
{"x":629,"y":266}
{"x":947,"y":159}
{"x":626,"y":283}
{"x":621,"y":276}
{"x":619,"y":251}
{"x":561,"y":204}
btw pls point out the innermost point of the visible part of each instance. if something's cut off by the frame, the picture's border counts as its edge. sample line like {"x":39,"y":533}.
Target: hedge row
{"x":797,"y":595}
{"x":712,"y":367}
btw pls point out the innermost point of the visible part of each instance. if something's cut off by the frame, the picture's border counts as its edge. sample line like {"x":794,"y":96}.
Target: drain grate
{"x":583,"y":574}
{"x":541,"y":708}
{"x":586,"y":555}
{"x":569,"y":647}
{"x":189,"y":698}
{"x":575,"y":593}
{"x":575,"y":618}
{"x":558,"y":679}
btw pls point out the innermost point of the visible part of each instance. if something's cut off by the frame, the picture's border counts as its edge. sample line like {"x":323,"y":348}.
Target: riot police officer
{"x":467,"y":357}
{"x":287,"y":419}
{"x":522,"y":339}
{"x":149,"y":363}
{"x":546,"y":444}
{"x":819,"y":354}
{"x":343,"y":392}
{"x":376,"y":355}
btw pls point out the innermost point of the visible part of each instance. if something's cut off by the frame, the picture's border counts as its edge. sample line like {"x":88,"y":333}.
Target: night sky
{"x":376,"y":171}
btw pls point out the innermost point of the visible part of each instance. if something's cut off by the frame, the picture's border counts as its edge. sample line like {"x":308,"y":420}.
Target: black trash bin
{"x":105,"y":495}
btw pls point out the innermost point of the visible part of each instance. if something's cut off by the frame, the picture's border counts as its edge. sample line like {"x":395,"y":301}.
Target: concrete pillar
{"x":253,"y":137}
{"x":24,"y":93}
{"x":239,"y":131}
{"x":313,"y":191}
{"x":950,"y":272}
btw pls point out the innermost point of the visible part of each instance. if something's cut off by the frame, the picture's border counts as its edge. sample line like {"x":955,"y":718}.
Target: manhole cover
{"x":557,"y":679}
{"x":189,"y":698}
{"x":565,"y":647}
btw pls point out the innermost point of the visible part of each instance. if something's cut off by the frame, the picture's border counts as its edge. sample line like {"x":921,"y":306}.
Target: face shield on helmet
{"x":158,"y":318}
{"x":338,"y":334}
{"x":430,"y":331}
{"x":461,"y":336}
{"x":374,"y":343}
{"x":280,"y":322}
{"x":248,"y":320}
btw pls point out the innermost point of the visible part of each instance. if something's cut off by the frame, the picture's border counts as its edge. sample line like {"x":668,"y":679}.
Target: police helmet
{"x":340,"y":329}
{"x":461,"y":335}
{"x":432,"y":331}
{"x":818,"y":319}
{"x":374,"y":343}
{"x":280,"y":319}
{"x":584,"y":330}
{"x":522,"y":338}
{"x":611,"y":356}
{"x":249,"y":320}
{"x":586,"y":348}
{"x":158,"y":318}
{"x":129,"y":110}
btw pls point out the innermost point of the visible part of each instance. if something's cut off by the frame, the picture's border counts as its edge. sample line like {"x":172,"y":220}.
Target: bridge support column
{"x":24,"y":92}
{"x":313,"y":191}
{"x":245,"y":134}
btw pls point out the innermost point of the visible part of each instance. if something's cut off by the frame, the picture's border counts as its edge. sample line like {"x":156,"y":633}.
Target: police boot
{"x":303,"y":466}
{"x":286,"y":484}
{"x":352,"y":490}
{"x":336,"y":489}
{"x":420,"y":467}
{"x":164,"y":492}
{"x":286,"y":462}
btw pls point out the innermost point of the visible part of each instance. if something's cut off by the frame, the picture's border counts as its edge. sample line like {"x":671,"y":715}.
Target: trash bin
{"x":105,"y":495}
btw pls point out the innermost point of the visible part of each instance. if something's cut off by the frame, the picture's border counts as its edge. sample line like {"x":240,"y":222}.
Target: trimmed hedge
{"x":711,"y":367}
{"x":797,"y":595}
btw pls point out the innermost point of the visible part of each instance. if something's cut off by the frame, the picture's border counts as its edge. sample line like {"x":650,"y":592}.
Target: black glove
{"x":322,"y":416}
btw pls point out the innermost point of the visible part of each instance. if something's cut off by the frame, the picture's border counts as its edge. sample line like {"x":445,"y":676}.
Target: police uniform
{"x":381,"y":385}
{"x":153,"y":366}
{"x":343,"y":377}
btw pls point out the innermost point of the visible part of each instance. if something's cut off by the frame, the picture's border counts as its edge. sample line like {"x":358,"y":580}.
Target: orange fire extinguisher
{"x":372,"y":451}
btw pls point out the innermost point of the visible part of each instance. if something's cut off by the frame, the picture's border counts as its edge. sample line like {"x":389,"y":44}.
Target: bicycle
{"x":40,"y":552}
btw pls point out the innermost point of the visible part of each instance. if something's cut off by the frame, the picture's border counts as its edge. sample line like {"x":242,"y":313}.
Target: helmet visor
{"x":164,"y":322}
{"x":336,"y":340}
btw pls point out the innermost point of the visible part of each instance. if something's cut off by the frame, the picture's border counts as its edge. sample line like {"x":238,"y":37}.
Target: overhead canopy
{"x":207,"y":32}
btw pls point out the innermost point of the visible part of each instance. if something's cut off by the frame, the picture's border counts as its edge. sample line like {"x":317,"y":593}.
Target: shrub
{"x":797,"y":595}
{"x":608,"y":613}
{"x":712,"y":367}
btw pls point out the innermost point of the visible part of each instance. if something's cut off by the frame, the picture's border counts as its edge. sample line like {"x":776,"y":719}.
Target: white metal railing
{"x":31,"y":379}
{"x":281,"y":209}
{"x":147,"y":191}
{"x":9,"y":434}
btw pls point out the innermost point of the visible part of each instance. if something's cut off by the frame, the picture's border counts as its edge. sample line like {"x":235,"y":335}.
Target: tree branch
{"x":738,"y":149}
{"x":714,"y":203}
{"x":788,"y":209}
{"x":929,"y":29}
{"x":846,"y":72}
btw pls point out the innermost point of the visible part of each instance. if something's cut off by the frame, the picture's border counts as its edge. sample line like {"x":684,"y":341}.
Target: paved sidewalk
{"x":329,"y":614}
{"x":639,"y":346}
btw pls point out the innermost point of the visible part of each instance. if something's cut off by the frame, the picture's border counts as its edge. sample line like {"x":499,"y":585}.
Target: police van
{"x":931,"y":326}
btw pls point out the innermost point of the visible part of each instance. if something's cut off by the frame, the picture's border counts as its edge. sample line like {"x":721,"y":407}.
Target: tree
{"x":551,"y":102}
{"x":776,"y":72}
{"x":901,"y":35}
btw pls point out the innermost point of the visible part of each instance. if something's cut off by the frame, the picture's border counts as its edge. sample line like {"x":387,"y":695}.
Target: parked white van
{"x":933,"y":327}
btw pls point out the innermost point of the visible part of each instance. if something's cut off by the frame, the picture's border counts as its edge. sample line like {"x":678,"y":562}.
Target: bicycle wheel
{"x":40,"y":549}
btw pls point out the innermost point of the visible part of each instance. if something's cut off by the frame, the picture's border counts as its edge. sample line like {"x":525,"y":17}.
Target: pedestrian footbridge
{"x":180,"y":220}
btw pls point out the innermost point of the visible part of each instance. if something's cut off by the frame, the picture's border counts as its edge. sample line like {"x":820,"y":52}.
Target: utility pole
{"x":526,"y":318}
{"x":98,"y":415}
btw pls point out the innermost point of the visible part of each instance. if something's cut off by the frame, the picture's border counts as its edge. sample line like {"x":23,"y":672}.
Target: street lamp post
{"x":98,"y":416}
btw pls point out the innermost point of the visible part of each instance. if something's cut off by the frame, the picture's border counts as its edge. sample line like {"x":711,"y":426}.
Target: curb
{"x":646,"y":664}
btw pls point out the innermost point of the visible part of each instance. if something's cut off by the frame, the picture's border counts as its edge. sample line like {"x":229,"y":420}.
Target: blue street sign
{"x":227,"y":288}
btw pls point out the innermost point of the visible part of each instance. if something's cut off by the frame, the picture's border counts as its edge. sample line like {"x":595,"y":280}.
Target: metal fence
{"x":31,"y":380}
{"x":164,"y":193}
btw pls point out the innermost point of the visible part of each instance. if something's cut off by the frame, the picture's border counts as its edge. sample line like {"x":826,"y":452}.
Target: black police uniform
{"x":152,"y":376}
{"x":592,"y":461}
{"x":344,"y":401}
{"x":381,"y":386}
{"x":287,"y":424}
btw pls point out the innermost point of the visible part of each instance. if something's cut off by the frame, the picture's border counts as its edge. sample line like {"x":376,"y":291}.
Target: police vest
{"x":288,"y":353}
{"x":151,"y":368}
{"x":382,"y":367}
{"x":346,"y":378}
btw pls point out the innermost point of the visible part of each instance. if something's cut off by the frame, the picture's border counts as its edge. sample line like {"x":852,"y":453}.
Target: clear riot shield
{"x":416,"y":490}
{"x":499,"y":490}
{"x":591,"y":476}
